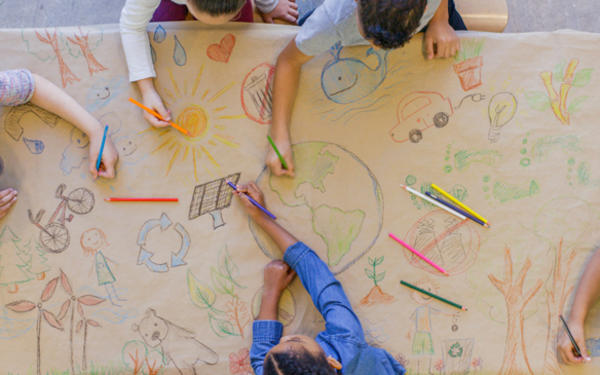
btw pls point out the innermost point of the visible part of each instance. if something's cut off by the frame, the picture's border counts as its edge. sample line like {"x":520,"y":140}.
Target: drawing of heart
{"x":221,"y":51}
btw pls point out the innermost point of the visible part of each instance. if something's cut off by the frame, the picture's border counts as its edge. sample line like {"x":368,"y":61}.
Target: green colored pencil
{"x":433,"y":295}
{"x":281,"y":159}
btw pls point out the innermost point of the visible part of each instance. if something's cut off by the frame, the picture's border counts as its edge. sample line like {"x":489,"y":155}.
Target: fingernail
{"x":588,"y":359}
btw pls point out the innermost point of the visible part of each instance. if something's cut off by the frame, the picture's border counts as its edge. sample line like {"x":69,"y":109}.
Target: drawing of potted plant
{"x":376,"y":295}
{"x":469,"y":63}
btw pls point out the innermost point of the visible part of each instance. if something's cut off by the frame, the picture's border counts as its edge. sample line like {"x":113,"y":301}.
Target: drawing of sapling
{"x":235,"y":316}
{"x":23,"y":306}
{"x":376,"y":295}
{"x":469,"y":63}
{"x":72,"y":302}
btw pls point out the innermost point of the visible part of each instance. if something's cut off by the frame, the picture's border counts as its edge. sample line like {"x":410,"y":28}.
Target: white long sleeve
{"x":266,"y":6}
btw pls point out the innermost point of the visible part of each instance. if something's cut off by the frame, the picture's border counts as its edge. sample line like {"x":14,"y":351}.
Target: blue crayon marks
{"x":593,"y":346}
{"x":33,"y":145}
{"x":346,"y":80}
{"x":160,"y":34}
{"x":179,"y":55}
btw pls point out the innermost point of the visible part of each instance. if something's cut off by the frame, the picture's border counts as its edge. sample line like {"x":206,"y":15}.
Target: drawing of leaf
{"x":79,"y":325}
{"x":582,"y":77}
{"x":80,"y":310}
{"x":63,"y":309}
{"x":380,"y":276}
{"x":557,"y":73}
{"x":370,"y":273}
{"x":49,"y":289}
{"x":21,"y":306}
{"x":51,"y":319}
{"x":576,"y":103}
{"x":222,"y":284}
{"x":64,"y":281}
{"x":379,"y":261}
{"x":221,"y":327}
{"x":90,"y":300}
{"x":201,"y":296}
{"x":93,"y":323}
{"x":537,"y":100}
{"x":229,"y":268}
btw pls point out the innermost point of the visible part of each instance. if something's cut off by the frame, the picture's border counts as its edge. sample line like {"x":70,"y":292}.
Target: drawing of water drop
{"x":35,"y":146}
{"x":152,"y":53}
{"x":179,"y":55}
{"x":160,"y":34}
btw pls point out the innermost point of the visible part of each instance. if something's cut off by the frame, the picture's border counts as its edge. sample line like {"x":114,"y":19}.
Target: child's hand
{"x":8,"y":197}
{"x":440,"y":40}
{"x":565,"y":348}
{"x":278,"y":275}
{"x":152,"y":100}
{"x":273,"y":161}
{"x":110,"y":156}
{"x":286,"y":10}
{"x":254,"y":191}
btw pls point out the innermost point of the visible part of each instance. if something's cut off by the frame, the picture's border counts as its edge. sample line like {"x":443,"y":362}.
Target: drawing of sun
{"x":204,"y":115}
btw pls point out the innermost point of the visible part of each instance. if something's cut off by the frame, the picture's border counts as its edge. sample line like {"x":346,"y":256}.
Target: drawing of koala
{"x":179,"y":346}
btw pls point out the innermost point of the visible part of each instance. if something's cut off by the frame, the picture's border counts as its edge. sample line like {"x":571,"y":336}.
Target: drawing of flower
{"x":239,"y":363}
{"x":439,"y":365}
{"x":476,"y":363}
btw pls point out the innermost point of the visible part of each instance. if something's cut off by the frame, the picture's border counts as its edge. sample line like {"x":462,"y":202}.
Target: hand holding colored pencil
{"x":281,"y":159}
{"x":253,"y":201}
{"x":158,"y":116}
{"x":99,"y":160}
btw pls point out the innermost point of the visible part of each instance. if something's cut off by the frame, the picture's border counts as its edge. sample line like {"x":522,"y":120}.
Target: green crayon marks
{"x":410,"y":180}
{"x":376,"y":295}
{"x":583,"y":174}
{"x":462,"y":159}
{"x":506,"y":192}
{"x":541,"y":148}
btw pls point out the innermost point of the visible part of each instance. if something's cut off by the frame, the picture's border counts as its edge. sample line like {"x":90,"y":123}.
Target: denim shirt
{"x":343,"y":338}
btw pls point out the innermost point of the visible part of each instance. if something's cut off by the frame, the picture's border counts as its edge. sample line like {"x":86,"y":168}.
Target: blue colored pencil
{"x":453,"y":207}
{"x":101,"y":148}
{"x":269,"y":214}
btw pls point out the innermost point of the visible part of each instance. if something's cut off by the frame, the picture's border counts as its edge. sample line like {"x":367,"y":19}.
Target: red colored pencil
{"x":129,"y":199}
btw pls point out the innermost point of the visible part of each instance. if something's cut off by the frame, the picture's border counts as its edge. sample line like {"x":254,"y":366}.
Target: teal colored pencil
{"x":433,"y":295}
{"x":281,"y":159}
{"x":101,"y":148}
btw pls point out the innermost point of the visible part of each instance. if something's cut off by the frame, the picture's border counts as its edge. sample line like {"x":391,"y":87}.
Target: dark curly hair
{"x":297,"y":362}
{"x":390,"y":23}
{"x":218,"y":7}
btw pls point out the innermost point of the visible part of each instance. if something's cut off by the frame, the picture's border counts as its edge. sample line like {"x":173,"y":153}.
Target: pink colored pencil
{"x":419,"y":254}
{"x":128,"y":199}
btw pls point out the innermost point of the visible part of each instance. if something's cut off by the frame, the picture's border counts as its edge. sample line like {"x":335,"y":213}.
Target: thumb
{"x":93,"y":170}
{"x":268,"y":19}
{"x":108,"y":171}
{"x":163,"y":111}
{"x":290,"y":168}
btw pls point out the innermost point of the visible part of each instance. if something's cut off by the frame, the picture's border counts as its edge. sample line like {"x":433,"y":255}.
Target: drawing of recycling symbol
{"x":455,"y":350}
{"x":177,"y":258}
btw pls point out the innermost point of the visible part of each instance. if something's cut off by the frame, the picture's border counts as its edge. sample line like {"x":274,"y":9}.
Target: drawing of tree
{"x":14,"y":261}
{"x":23,"y":306}
{"x":516,"y":301}
{"x":37,"y":260}
{"x":72,"y":302}
{"x":235,"y":316}
{"x":556,"y":296}
{"x":376,"y":295}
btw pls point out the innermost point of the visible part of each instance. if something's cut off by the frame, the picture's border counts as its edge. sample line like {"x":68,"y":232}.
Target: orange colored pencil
{"x":158,"y":116}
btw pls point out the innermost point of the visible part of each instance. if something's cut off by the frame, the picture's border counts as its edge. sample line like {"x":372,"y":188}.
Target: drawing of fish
{"x":348,"y":79}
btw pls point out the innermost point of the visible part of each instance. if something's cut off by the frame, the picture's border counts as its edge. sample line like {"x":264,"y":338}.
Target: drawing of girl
{"x":92,"y":242}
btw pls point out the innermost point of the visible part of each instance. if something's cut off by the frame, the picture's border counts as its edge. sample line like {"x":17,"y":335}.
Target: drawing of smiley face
{"x":79,"y":138}
{"x":92,"y":239}
{"x":428,"y":285}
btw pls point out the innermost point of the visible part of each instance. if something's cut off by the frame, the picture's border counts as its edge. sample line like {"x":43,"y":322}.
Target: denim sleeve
{"x":326,"y":292}
{"x":265,"y":335}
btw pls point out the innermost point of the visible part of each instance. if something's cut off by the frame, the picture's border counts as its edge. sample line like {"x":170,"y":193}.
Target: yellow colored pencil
{"x":458,"y":203}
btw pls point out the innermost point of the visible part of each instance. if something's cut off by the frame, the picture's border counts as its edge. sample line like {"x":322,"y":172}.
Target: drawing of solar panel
{"x":212,"y":197}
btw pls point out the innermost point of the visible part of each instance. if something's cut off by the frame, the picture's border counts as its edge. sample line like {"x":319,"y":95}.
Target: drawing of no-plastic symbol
{"x":176,"y":259}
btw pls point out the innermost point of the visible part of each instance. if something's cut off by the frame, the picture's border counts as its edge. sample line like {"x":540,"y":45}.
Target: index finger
{"x":429,"y":48}
{"x":155,"y":121}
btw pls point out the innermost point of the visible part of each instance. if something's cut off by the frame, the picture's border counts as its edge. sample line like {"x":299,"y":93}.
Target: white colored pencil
{"x":426,"y":198}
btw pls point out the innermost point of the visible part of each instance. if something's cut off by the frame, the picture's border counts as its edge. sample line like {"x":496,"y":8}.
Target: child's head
{"x":92,"y":240}
{"x":297,"y":355}
{"x":389,"y":23}
{"x":214,"y":12}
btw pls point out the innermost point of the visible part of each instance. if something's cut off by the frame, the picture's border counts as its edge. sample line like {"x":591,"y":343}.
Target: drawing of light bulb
{"x":501,"y":110}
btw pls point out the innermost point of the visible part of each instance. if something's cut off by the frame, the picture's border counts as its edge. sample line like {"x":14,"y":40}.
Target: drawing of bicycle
{"x":54,"y":236}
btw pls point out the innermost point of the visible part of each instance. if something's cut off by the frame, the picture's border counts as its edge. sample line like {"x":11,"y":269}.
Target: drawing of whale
{"x":346,"y":80}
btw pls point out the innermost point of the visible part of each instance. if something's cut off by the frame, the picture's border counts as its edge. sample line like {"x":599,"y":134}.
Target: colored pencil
{"x":457,"y":202}
{"x":571,"y":337}
{"x":417,"y":253}
{"x":281,"y":159}
{"x":426,"y":198}
{"x":433,"y":295}
{"x":131,"y":199}
{"x":267,"y":212}
{"x":101,"y":148}
{"x":460,"y":211}
{"x":158,"y":116}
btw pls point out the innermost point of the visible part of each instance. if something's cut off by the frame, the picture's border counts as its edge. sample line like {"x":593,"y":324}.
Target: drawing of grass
{"x":469,"y":48}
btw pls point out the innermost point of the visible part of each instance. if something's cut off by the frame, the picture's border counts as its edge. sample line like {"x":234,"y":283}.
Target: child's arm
{"x":48,"y":96}
{"x":440,"y":38}
{"x":588,"y":292}
{"x":285,"y":88}
{"x":286,"y":10}
{"x":266,"y":330}
{"x":135,"y":16}
{"x":326,"y":292}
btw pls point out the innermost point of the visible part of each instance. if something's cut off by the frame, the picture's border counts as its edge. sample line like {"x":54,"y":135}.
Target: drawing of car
{"x":419,"y":111}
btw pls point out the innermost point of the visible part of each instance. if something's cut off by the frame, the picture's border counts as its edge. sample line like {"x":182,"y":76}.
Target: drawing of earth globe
{"x":333,"y":204}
